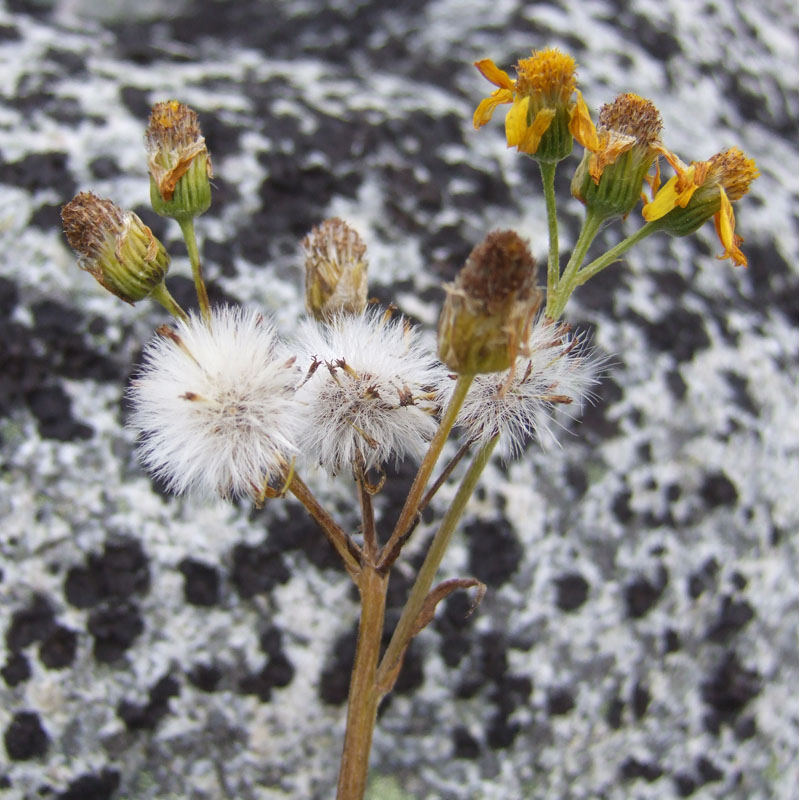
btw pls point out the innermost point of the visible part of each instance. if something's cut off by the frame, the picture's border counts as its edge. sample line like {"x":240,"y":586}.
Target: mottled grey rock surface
{"x":639,"y":635}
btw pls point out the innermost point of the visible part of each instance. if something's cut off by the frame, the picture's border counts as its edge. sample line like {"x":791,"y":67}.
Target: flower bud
{"x":489,"y":306}
{"x":618,"y":155}
{"x":335,"y":270}
{"x":115,"y":246}
{"x":179,"y":163}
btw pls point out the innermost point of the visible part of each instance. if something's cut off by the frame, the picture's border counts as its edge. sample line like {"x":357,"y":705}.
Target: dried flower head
{"x":703,"y":190}
{"x":619,"y":153}
{"x":489,"y":306}
{"x":214,"y":405}
{"x":541,"y":116}
{"x":115,"y":246}
{"x":366,"y":399}
{"x":180,"y":167}
{"x":335,"y":270}
{"x":553,"y":370}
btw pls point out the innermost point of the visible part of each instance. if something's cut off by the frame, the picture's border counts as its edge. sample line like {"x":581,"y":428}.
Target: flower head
{"x":542,"y":114}
{"x":554,"y":369}
{"x":366,"y":398}
{"x":214,"y":404}
{"x":180,"y":167}
{"x":115,"y":246}
{"x":618,"y":154}
{"x":335,"y":270}
{"x":489,"y":306}
{"x":703,"y":190}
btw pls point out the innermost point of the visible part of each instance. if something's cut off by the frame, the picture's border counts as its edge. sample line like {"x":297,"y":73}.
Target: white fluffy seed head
{"x":214,"y":405}
{"x":555,"y":370}
{"x":367,"y":394}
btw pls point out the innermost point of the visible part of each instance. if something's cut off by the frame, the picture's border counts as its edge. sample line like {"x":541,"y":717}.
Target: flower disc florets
{"x":554,"y":369}
{"x":541,"y":118}
{"x":618,"y":154}
{"x":366,"y":399}
{"x":214,"y":404}
{"x":703,"y":190}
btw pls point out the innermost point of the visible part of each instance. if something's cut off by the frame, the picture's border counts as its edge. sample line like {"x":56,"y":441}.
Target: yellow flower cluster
{"x":548,"y":112}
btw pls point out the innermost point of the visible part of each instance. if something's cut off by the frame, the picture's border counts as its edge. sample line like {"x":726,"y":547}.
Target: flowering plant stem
{"x":557,"y":299}
{"x":411,"y":508}
{"x":161,"y":295}
{"x":553,"y":266}
{"x":187,"y":229}
{"x":347,"y":549}
{"x":598,"y":264}
{"x":365,"y":695}
{"x":406,"y":627}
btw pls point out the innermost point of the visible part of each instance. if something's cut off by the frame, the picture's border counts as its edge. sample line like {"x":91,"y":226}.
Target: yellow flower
{"x":702,"y":190}
{"x":619,"y":152}
{"x":541,"y":117}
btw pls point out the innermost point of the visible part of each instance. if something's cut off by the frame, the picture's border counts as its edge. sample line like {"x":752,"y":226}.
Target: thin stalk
{"x":445,"y":473}
{"x":553,"y":265}
{"x":411,"y":507}
{"x":161,"y":295}
{"x":426,"y":575}
{"x":364,"y":696}
{"x":347,"y":549}
{"x":187,"y":228}
{"x":556,"y":301}
{"x":598,"y":264}
{"x":370,"y":547}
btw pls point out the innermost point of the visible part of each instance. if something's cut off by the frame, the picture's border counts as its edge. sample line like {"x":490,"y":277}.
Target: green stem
{"x":411,"y":508}
{"x":553,"y":266}
{"x":187,"y":228}
{"x":424,"y":579}
{"x":556,"y":301}
{"x":598,"y":264}
{"x":161,"y":295}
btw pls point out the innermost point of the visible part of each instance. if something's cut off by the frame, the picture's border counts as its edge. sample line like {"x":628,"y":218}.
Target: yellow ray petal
{"x":581,"y":127}
{"x":490,"y":71}
{"x":532,"y":136}
{"x":516,"y":121}
{"x":724,"y":222}
{"x":485,"y":109}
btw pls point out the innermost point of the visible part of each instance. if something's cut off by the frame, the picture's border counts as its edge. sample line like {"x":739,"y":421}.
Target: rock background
{"x":639,"y":636}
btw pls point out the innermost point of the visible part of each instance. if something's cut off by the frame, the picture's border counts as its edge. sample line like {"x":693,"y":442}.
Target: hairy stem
{"x":553,"y":266}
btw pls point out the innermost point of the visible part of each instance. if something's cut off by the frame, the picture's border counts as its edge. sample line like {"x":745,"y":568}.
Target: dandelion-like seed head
{"x":214,"y":405}
{"x":555,"y":369}
{"x":367,"y":395}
